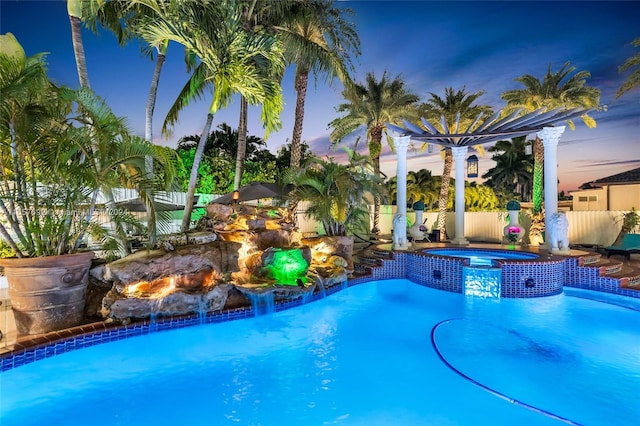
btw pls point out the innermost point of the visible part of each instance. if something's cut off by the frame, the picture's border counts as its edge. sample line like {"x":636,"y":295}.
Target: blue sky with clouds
{"x":479,"y":44}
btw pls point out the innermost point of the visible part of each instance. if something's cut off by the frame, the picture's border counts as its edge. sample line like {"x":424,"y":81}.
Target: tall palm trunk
{"x":538,"y":175}
{"x":78,"y":50}
{"x":375,"y":149}
{"x":11,"y":210}
{"x":376,"y":201}
{"x":150,"y":107}
{"x":197,"y":158}
{"x":301,"y":88}
{"x":242,"y":143}
{"x":443,"y":199}
{"x":537,"y":218}
{"x":74,"y":9}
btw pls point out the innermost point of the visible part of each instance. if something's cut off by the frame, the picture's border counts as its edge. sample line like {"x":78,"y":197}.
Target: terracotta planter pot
{"x":47,"y":293}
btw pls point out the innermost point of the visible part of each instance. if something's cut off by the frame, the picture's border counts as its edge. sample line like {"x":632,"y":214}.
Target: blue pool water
{"x":381,"y":353}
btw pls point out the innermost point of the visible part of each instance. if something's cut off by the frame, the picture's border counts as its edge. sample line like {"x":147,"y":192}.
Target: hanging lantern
{"x":528,"y":150}
{"x":472,"y":166}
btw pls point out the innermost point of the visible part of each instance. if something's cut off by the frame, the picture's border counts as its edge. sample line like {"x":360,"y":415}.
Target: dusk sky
{"x":432,"y":45}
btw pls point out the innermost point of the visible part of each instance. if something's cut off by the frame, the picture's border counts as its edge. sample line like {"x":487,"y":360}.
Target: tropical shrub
{"x":59,"y":150}
{"x":339,"y":194}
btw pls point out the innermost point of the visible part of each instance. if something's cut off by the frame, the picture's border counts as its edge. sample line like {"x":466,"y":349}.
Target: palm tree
{"x":556,"y":90}
{"x":457,"y":111}
{"x":314,"y":35}
{"x":479,"y":198}
{"x":319,"y":40}
{"x":633,"y":80}
{"x":68,"y":145}
{"x":514,"y":168}
{"x":223,"y":142}
{"x":241,"y":153}
{"x":123,"y":17}
{"x":115,"y":159}
{"x":24,"y":115}
{"x":161,"y":55}
{"x":256,"y":14}
{"x":337,"y":192}
{"x":372,"y":105}
{"x":88,"y":11}
{"x":218,"y":161}
{"x":422,"y":186}
{"x":283,"y":156}
{"x":78,"y":10}
{"x":232,"y":60}
{"x":136,"y":11}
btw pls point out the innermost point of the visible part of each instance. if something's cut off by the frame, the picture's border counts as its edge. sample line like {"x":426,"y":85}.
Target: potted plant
{"x":513,"y":232}
{"x":629,"y":220}
{"x":61,"y":154}
{"x":418,"y":230}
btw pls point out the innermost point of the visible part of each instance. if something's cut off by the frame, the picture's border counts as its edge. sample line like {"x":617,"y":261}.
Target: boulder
{"x":276,"y":238}
{"x":219,"y":256}
{"x":169,"y":242}
{"x":219,"y":212}
{"x":117,"y":306}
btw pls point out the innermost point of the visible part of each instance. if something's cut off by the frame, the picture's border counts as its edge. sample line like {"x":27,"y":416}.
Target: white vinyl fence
{"x":598,"y":228}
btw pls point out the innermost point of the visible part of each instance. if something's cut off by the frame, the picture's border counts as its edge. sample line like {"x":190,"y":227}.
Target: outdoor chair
{"x":630,"y":244}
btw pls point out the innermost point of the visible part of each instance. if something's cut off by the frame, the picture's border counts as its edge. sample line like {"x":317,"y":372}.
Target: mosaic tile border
{"x":552,"y":274}
{"x":82,"y":336}
{"x":590,"y":278}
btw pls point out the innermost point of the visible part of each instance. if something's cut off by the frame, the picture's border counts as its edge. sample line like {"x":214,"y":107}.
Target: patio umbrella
{"x":162,"y":204}
{"x":255,"y":191}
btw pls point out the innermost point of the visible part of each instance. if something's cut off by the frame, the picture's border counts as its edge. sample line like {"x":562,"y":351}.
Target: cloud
{"x":608,"y":163}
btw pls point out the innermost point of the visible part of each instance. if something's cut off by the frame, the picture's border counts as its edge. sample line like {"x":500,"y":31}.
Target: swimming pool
{"x":370,"y":354}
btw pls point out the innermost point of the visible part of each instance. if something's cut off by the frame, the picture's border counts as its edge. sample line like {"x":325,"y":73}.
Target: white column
{"x":460,"y":156}
{"x":400,"y":219}
{"x":550,"y":137}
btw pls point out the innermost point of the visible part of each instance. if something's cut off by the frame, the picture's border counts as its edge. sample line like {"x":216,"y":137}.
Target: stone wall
{"x":230,"y":257}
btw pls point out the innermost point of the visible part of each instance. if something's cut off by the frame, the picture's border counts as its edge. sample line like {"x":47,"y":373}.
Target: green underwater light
{"x":288,"y":267}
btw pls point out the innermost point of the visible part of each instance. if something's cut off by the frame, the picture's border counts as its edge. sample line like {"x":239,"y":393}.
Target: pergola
{"x":493,"y":129}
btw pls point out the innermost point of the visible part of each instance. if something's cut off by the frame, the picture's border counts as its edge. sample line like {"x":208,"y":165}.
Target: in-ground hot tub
{"x":482,"y":257}
{"x":487,"y":272}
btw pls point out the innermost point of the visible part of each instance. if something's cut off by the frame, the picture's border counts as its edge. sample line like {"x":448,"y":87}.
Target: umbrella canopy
{"x":255,"y":191}
{"x":136,"y":204}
